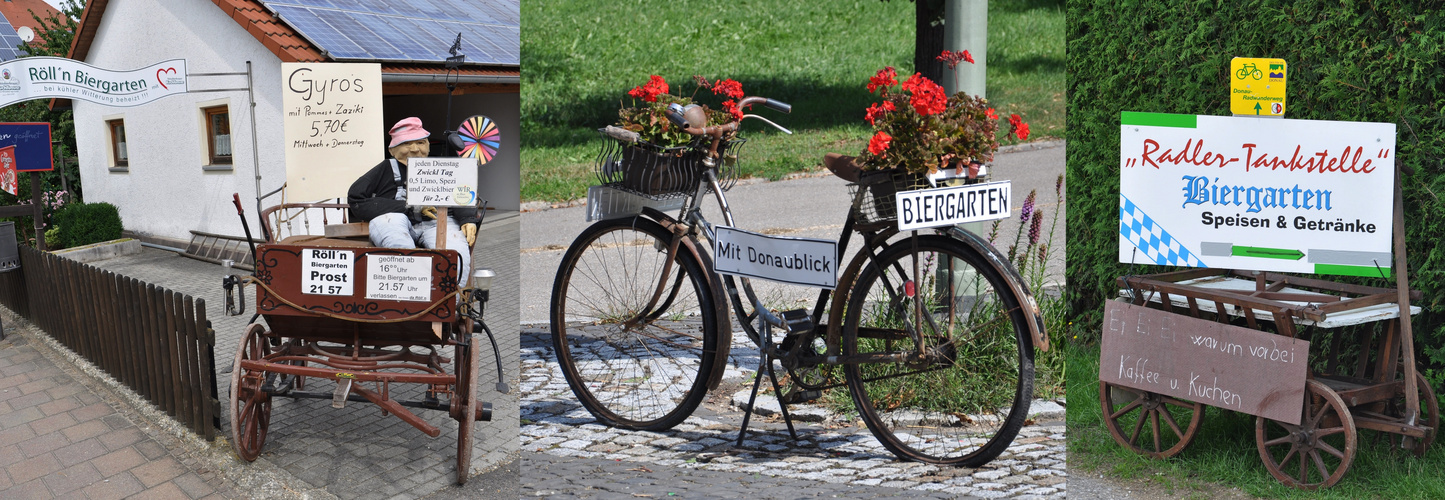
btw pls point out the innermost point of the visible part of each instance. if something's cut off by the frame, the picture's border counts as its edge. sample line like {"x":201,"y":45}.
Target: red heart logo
{"x":158,"y":76}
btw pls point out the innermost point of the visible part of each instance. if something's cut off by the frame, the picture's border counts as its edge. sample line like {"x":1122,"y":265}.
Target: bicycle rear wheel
{"x":961,"y":398}
{"x":629,"y":367}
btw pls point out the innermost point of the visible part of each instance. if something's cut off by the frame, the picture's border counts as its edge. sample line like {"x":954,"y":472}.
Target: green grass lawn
{"x":1224,"y":452}
{"x":579,"y":58}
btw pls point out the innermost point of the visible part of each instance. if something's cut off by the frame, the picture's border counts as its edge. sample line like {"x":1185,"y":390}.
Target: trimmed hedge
{"x":79,"y":224}
{"x":1379,"y":61}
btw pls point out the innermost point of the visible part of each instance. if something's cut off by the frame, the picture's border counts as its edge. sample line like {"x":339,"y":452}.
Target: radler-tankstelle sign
{"x":1301,"y":196}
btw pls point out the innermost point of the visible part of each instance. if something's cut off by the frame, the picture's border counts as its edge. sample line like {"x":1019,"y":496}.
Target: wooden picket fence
{"x":155,"y":341}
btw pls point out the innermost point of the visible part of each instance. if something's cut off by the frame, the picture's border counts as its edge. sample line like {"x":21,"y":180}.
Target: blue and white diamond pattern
{"x":1136,"y":227}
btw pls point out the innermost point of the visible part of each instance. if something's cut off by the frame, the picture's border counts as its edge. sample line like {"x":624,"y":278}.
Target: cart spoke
{"x":1174,"y":426}
{"x":1328,"y":432}
{"x":1176,"y":402}
{"x":1302,"y":468}
{"x":1331,"y":449}
{"x":1318,"y":416}
{"x":1292,"y":449}
{"x":1126,"y":409}
{"x":1278,"y":440}
{"x":1138,"y":426}
{"x":1320,"y":465}
{"x":1154,"y":426}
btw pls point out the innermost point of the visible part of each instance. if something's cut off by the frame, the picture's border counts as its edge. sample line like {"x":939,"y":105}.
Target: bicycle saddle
{"x":842,"y":166}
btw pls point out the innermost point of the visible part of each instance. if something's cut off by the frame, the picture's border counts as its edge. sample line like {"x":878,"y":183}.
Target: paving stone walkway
{"x":562,"y":442}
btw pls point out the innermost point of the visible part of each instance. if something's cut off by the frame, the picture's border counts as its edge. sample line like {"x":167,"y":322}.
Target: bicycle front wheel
{"x":631,"y":366}
{"x":960,"y":393}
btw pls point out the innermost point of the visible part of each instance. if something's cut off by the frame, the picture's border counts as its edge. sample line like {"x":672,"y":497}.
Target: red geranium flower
{"x":879,"y":143}
{"x":729,"y":87}
{"x":1014,"y":120}
{"x":928,"y":97}
{"x":1022,"y":131}
{"x":876,"y":111}
{"x":649,"y":91}
{"x":732,"y":108}
{"x":953,"y":58}
{"x":991,"y":114}
{"x":886,"y":77}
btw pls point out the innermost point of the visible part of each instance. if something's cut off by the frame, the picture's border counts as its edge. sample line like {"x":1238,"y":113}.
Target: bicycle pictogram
{"x":1248,"y":70}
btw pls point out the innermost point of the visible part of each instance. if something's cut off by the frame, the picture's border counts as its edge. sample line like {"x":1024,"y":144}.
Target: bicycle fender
{"x":1020,"y":287}
{"x":720,"y":306}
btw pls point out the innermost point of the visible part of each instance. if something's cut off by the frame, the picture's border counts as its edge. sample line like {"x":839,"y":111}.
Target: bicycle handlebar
{"x":674,"y":114}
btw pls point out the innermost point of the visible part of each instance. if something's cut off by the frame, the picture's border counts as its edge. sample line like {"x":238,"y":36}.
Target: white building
{"x":172,"y":165}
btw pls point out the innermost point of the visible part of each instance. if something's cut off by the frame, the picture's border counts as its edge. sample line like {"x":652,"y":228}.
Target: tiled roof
{"x":18,"y":12}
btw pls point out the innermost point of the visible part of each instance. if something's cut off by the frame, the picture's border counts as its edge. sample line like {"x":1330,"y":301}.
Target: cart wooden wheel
{"x":1317,"y":452}
{"x":465,"y":401}
{"x":250,"y":406}
{"x":1127,"y":411}
{"x":1429,"y":416}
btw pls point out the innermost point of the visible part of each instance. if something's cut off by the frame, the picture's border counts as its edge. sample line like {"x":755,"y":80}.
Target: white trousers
{"x":396,"y":231}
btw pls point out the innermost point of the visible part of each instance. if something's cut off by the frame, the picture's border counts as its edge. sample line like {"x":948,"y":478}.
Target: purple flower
{"x":1034,"y":226}
{"x":1028,"y":207}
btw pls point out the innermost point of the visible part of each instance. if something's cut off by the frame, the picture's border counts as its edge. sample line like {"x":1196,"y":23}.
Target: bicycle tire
{"x":651,"y":376}
{"x":964,"y":403}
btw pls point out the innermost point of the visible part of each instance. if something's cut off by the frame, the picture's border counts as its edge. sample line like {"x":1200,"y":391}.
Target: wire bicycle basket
{"x":654,"y":171}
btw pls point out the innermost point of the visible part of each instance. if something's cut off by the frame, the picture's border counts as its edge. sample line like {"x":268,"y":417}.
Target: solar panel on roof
{"x":407,"y":30}
{"x":9,"y":41}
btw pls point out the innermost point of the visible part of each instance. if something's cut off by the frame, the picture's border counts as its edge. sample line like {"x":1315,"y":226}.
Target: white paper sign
{"x":398,"y":277}
{"x":441,"y":182}
{"x":331,"y":117}
{"x":327,"y":271}
{"x":948,"y":206}
{"x":29,"y":78}
{"x":798,"y":261}
{"x":1299,"y":196}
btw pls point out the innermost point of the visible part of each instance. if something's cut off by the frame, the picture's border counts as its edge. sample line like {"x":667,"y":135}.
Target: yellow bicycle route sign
{"x":1256,"y":86}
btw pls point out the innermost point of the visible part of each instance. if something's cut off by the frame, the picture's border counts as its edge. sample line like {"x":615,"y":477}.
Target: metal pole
{"x":966,"y":28}
{"x":255,"y":157}
{"x":39,"y":215}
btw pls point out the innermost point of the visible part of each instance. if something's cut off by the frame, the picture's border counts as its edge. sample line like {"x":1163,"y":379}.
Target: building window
{"x":117,"y":142}
{"x":218,"y":134}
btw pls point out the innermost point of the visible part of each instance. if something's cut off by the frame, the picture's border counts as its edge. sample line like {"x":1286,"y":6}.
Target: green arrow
{"x":1256,"y":108}
{"x":1267,"y":253}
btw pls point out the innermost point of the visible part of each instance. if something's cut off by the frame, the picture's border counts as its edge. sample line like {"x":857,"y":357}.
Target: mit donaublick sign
{"x":797,"y":261}
{"x":948,"y":206}
{"x":1218,"y":364}
{"x":1301,"y":196}
{"x":29,"y":78}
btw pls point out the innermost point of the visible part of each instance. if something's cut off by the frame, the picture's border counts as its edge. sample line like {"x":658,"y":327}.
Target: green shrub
{"x":1350,"y":61}
{"x":80,"y":224}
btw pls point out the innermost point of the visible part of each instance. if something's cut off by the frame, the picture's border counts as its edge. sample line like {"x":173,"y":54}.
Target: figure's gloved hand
{"x":428,"y":213}
{"x":470,"y":230}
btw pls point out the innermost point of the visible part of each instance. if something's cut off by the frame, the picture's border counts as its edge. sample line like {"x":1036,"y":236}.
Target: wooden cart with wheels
{"x":365,"y":318}
{"x":1372,"y":386}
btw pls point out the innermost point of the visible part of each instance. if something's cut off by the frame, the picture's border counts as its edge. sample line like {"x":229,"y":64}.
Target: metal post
{"x":39,"y":213}
{"x":255,"y":158}
{"x":966,"y":28}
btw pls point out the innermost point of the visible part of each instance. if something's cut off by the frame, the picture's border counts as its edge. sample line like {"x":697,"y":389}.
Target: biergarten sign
{"x":1301,"y":196}
{"x":30,"y":78}
{"x":947,"y":206}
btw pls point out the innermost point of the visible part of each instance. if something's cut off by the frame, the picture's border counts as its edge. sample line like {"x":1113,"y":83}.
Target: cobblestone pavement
{"x":568,"y":455}
{"x":355,"y":452}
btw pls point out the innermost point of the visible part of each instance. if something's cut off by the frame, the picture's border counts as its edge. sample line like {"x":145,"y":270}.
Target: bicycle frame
{"x":691,"y":223}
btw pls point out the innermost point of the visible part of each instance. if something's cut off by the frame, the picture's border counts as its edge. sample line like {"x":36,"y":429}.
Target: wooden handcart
{"x":1372,"y":385}
{"x":317,"y":328}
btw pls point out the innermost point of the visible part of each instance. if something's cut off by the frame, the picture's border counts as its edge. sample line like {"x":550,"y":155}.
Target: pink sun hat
{"x":406,"y":130}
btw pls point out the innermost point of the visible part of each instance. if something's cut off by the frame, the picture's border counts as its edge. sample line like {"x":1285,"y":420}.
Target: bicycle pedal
{"x":798,"y":320}
{"x":796,"y":396}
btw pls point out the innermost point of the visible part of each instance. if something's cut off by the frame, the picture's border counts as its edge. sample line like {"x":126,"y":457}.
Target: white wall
{"x":166,"y":193}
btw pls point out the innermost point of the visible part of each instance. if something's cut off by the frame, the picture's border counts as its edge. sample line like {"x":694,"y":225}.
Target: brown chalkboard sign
{"x":1221,"y":365}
